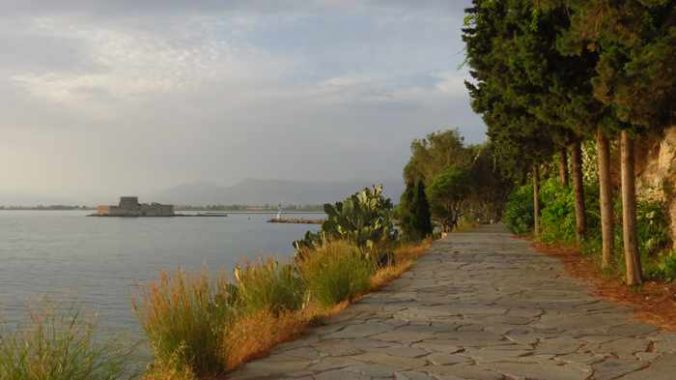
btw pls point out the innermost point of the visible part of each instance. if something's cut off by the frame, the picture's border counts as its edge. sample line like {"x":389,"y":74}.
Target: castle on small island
{"x":129,"y":206}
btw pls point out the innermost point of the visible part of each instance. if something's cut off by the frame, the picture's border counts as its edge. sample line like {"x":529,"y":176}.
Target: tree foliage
{"x":434,"y":153}
{"x":415,"y":219}
{"x":635,"y":41}
{"x":502,"y":90}
{"x":447,"y":193}
{"x":431,"y":159}
{"x":548,"y":73}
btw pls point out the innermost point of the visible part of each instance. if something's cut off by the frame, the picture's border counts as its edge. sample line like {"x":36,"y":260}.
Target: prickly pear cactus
{"x":364,"y":218}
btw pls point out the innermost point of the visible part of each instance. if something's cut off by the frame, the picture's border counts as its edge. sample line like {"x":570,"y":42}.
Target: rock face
{"x":657,"y":178}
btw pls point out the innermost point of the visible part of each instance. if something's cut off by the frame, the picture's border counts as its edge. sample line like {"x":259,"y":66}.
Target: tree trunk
{"x":536,"y":200}
{"x":631,"y":256}
{"x":578,"y":186}
{"x":605,"y":198}
{"x":563,"y":165}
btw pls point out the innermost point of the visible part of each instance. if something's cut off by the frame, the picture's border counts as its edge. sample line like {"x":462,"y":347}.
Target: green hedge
{"x":518,"y":215}
{"x":557,"y":204}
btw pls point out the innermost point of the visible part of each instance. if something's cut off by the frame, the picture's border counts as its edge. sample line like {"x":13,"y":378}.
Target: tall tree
{"x":447,"y":193}
{"x":578,"y":188}
{"x":567,"y":99}
{"x":585,"y":114}
{"x":422,"y":212}
{"x":605,"y":198}
{"x":503,"y":90}
{"x":490,"y":186}
{"x":557,"y":95}
{"x":631,"y":254}
{"x":536,"y":200}
{"x":434,"y":153}
{"x":636,"y":44}
{"x":563,"y":166}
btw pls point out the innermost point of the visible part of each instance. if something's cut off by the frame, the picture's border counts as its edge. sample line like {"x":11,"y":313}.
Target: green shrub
{"x":268,"y":286}
{"x":652,"y":228}
{"x":518,"y":216}
{"x":667,"y":267}
{"x":558,"y":213}
{"x":558,"y":225}
{"x":335,"y":272}
{"x":654,"y":240}
{"x":662,"y":268}
{"x":183,"y":316}
{"x":57,"y":345}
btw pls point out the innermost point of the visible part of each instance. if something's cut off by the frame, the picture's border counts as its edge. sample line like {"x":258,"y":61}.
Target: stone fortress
{"x":129,"y":206}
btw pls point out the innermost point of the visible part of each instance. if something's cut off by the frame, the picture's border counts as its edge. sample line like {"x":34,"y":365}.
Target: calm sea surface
{"x":97,"y":262}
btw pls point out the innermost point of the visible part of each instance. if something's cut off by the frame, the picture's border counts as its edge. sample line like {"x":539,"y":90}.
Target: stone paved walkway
{"x":479,"y":305}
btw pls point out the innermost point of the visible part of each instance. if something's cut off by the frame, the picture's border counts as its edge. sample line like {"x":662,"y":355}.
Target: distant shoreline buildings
{"x":130,"y":206}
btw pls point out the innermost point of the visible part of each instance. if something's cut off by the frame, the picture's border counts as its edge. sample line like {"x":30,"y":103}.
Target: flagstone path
{"x":479,"y":305}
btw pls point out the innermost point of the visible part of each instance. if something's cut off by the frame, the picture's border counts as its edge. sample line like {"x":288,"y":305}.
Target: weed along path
{"x":479,"y":305}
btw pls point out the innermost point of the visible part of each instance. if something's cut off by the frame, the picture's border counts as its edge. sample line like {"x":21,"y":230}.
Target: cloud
{"x":452,"y":82}
{"x":254,"y":6}
{"x":138,"y":96}
{"x":134,"y":61}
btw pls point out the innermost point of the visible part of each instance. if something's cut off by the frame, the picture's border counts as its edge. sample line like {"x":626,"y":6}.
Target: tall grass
{"x":336,"y":272}
{"x":188,"y":317}
{"x":61,"y":345}
{"x":199,"y":329}
{"x":268,"y":285}
{"x":183,"y":316}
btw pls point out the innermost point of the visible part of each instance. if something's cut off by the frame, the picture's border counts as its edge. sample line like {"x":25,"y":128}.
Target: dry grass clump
{"x":198,"y":329}
{"x":182,"y":315}
{"x":410,"y":252}
{"x":60,"y":345}
{"x":252,"y":336}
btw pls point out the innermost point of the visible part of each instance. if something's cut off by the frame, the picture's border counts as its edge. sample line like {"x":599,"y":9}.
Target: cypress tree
{"x":503,"y":90}
{"x":421,"y":210}
{"x":405,"y":212}
{"x":415,"y":220}
{"x":636,"y":46}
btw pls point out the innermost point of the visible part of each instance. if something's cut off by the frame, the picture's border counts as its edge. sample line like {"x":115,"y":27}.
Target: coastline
{"x":296,"y":221}
{"x":161,"y":216}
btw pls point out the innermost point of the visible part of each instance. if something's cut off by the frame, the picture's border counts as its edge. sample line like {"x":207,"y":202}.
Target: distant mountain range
{"x":246,"y":192}
{"x":8,"y":198}
{"x":265,"y":191}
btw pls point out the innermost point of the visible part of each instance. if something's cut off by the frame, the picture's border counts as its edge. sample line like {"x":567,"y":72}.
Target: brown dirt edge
{"x":653,"y":302}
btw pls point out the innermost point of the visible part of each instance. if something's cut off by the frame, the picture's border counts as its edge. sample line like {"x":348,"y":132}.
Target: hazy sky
{"x":104,"y":97}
